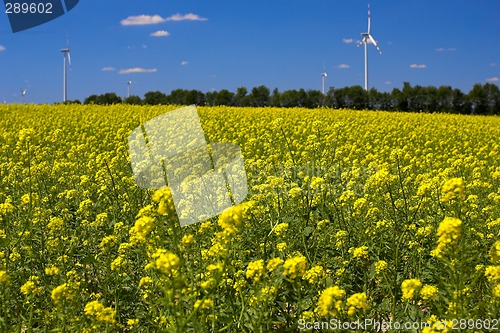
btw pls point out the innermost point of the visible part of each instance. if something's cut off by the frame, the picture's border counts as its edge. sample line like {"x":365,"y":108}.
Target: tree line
{"x":483,"y":99}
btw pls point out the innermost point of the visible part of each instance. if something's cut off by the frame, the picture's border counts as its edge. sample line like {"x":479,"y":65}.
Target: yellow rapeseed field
{"x":351,"y":215}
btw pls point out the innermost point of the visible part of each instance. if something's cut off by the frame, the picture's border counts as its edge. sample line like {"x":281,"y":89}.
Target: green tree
{"x":478,"y":99}
{"x":260,"y":96}
{"x":133,"y":100}
{"x":241,"y":98}
{"x":155,"y":98}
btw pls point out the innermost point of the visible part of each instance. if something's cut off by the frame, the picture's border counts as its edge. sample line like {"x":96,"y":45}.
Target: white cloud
{"x":137,"y":70}
{"x":142,"y":20}
{"x":494,"y":64}
{"x":184,"y":62}
{"x":388,"y":82}
{"x":2,"y":48}
{"x":186,"y":17}
{"x":347,"y":40}
{"x":444,"y":49}
{"x":418,"y":66}
{"x":160,"y":33}
{"x":493,"y":79}
{"x":343,"y":66}
{"x":108,"y":69}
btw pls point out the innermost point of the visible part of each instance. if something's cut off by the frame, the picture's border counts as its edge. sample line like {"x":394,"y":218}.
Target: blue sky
{"x":224,"y":44}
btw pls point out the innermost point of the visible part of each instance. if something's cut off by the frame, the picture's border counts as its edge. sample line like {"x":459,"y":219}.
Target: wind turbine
{"x":23,"y":94}
{"x":67,"y":60}
{"x":367,"y":39}
{"x":323,"y":76}
{"x":129,"y":83}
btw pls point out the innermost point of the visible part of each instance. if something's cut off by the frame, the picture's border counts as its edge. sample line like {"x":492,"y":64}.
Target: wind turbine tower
{"x":323,"y":78}
{"x":367,"y":39}
{"x":129,"y":83}
{"x":67,"y":61}
{"x":23,"y":94}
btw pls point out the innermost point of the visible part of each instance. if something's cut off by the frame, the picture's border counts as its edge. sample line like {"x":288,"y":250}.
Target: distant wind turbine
{"x":129,"y":83}
{"x":323,"y":78}
{"x":367,"y":39}
{"x":23,"y":94}
{"x":67,"y":61}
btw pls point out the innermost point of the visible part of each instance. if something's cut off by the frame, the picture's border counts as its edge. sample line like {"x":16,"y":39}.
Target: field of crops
{"x":351,"y":215}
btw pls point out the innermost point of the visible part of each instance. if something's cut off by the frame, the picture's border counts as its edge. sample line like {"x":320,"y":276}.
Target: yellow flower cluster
{"x":52,"y":270}
{"x":273,"y":263}
{"x":4,"y":277}
{"x":231,"y":218}
{"x":295,"y":267}
{"x":359,"y":252}
{"x":163,"y":197}
{"x":495,"y":252}
{"x":409,"y":287}
{"x":314,"y":274}
{"x":453,"y":188}
{"x":330,"y":301}
{"x":119,"y":263}
{"x":429,"y":292}
{"x":340,"y":239}
{"x":62,"y":293}
{"x":107,"y":242}
{"x":204,"y":304}
{"x":380,"y":266}
{"x":280,"y":229}
{"x":141,"y":229}
{"x":357,"y":302}
{"x":255,"y":270}
{"x":166,"y":262}
{"x":101,"y":313}
{"x":31,"y":287}
{"x":448,"y":232}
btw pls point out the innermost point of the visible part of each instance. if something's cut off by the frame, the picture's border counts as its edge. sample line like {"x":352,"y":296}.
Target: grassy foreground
{"x":351,"y":215}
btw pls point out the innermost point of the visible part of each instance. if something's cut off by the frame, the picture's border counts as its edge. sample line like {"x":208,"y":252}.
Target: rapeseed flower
{"x":280,"y":229}
{"x":495,"y":252}
{"x":281,"y":246}
{"x":204,"y":304}
{"x":163,"y":197}
{"x":453,"y":188}
{"x":31,"y":286}
{"x":166,"y":262}
{"x":62,"y":293}
{"x":98,"y":311}
{"x":295,"y":267}
{"x":380,"y":266}
{"x":255,"y":270}
{"x":141,"y":229}
{"x":52,"y":270}
{"x":492,"y":273}
{"x":4,"y":277}
{"x":357,"y":302}
{"x":273,"y":263}
{"x":448,"y":232}
{"x":330,"y":301}
{"x":314,"y":274}
{"x":428,"y":292}
{"x":359,"y":252}
{"x":409,"y":287}
{"x":231,"y":218}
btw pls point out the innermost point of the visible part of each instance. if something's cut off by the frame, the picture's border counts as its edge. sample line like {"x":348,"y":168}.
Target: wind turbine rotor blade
{"x":368,"y":17}
{"x":374,"y":43}
{"x":69,"y":58}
